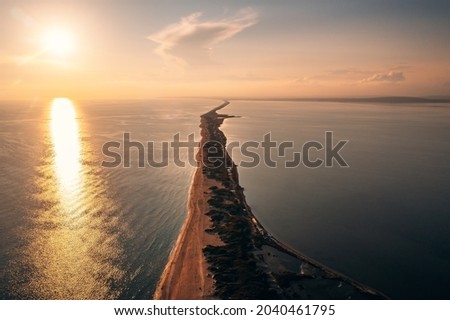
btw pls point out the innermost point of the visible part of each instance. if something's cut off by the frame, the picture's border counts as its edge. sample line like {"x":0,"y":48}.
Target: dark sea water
{"x":385,"y":220}
{"x":71,"y":229}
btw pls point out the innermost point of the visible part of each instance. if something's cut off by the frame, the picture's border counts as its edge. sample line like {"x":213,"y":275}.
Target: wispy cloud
{"x":391,"y":76}
{"x":347,"y":71}
{"x":352,"y":76}
{"x":343,"y":75}
{"x":191,"y":40}
{"x":24,"y":18}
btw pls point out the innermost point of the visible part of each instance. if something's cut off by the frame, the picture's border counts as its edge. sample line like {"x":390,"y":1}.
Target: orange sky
{"x":145,"y":49}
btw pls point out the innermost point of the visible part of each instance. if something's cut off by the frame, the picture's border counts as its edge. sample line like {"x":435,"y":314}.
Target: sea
{"x":83,"y":218}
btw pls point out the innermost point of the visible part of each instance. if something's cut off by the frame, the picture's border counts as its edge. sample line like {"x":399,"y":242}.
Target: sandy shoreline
{"x":185,"y":275}
{"x":222,"y":251}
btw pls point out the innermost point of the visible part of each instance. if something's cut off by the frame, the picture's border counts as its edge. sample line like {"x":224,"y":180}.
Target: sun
{"x":57,"y":42}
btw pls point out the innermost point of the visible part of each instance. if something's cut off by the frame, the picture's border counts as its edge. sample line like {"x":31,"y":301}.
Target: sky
{"x":127,"y":49}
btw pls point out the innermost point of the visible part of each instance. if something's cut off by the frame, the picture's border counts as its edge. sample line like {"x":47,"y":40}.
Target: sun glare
{"x":65,"y":138}
{"x":58,"y":42}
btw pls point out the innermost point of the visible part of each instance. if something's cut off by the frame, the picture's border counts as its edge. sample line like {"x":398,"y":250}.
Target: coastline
{"x":185,"y":275}
{"x":223,"y":252}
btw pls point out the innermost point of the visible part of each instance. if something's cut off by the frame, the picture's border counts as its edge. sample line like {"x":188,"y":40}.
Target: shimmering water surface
{"x":72,"y":229}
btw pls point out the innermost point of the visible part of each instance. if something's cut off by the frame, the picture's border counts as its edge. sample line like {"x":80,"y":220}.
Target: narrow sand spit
{"x":185,"y":275}
{"x":223,"y":252}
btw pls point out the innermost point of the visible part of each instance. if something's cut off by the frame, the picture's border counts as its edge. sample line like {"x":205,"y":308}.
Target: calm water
{"x":72,"y":229}
{"x":385,"y":221}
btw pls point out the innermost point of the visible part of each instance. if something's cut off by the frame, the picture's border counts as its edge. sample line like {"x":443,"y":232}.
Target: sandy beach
{"x":223,"y":252}
{"x":186,"y":275}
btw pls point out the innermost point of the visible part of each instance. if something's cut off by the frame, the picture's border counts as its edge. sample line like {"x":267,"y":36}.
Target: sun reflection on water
{"x":72,"y":250}
{"x":67,"y":149}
